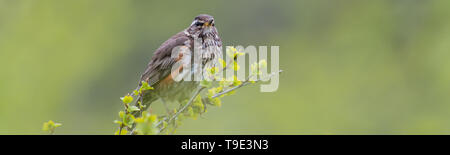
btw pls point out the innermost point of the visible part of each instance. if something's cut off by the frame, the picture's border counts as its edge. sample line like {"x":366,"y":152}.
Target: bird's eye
{"x":199,"y":24}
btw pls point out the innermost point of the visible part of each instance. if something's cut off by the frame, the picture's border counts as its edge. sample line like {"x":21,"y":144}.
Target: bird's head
{"x":202,"y":25}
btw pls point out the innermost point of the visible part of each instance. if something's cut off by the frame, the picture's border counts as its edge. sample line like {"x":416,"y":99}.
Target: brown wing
{"x":161,"y":63}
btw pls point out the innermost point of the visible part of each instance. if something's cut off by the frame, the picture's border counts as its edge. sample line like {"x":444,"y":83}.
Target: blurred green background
{"x":350,"y":66}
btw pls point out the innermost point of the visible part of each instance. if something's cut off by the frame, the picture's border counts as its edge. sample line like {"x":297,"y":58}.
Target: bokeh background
{"x":350,"y":66}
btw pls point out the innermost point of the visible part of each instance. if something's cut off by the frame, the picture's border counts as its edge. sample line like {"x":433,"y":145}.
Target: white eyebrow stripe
{"x":193,"y":22}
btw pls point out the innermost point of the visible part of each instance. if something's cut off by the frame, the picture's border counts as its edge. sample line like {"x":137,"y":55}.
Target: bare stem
{"x":184,"y":107}
{"x":246,"y":82}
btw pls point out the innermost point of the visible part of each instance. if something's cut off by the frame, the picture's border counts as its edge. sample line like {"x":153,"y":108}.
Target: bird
{"x":175,"y":57}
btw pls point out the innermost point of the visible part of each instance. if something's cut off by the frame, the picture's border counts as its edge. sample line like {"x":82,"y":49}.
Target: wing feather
{"x":161,"y":63}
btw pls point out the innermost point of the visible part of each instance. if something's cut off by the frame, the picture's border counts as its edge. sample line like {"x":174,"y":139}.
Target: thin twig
{"x":231,"y":89}
{"x":183,"y":108}
{"x":246,"y":82}
{"x":120,"y":129}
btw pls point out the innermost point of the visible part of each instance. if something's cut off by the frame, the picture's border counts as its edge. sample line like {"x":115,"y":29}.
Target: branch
{"x":246,"y":82}
{"x":168,"y":119}
{"x":196,"y":93}
{"x":182,"y":109}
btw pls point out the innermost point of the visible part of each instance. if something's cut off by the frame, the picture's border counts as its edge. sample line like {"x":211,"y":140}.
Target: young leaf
{"x":133,"y":108}
{"x":127,"y":99}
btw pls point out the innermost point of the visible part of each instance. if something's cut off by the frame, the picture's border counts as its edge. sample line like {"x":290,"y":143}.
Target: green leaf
{"x":145,"y":86}
{"x":189,"y":112}
{"x":211,"y":92}
{"x":198,"y":105}
{"x":222,"y":63}
{"x":123,"y":132}
{"x":50,"y":126}
{"x":231,"y":52}
{"x":147,"y":124}
{"x":128,"y":120}
{"x":236,"y":67}
{"x":216,"y":102}
{"x":118,"y":122}
{"x":140,"y":105}
{"x":45,"y":127}
{"x":254,"y":69}
{"x":262,"y":64}
{"x":121,"y":114}
{"x":133,"y":108}
{"x":57,"y":125}
{"x":236,"y":82}
{"x":127,"y":99}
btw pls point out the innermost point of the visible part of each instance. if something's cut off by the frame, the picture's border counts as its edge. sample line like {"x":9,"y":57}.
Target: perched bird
{"x":202,"y":37}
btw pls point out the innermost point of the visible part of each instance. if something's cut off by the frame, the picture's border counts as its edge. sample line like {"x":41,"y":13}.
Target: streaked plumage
{"x":159,"y":69}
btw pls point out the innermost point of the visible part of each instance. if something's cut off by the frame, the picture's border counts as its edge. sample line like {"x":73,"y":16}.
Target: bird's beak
{"x":207,"y":24}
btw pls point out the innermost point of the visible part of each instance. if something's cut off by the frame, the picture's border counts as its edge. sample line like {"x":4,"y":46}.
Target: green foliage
{"x":216,"y":102}
{"x":393,"y":58}
{"x":233,"y":52}
{"x":50,"y":126}
{"x":196,"y":108}
{"x":127,"y":99}
{"x":145,"y":86}
{"x":255,"y":68}
{"x":126,"y":119}
{"x":150,"y":124}
{"x":147,"y":124}
{"x":121,"y":132}
{"x":222,"y":63}
{"x":133,"y":108}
